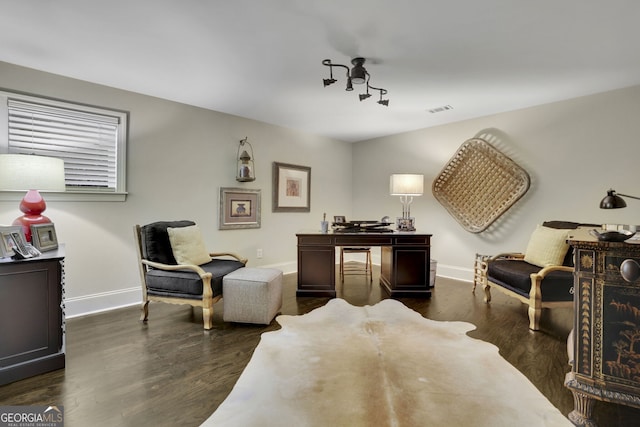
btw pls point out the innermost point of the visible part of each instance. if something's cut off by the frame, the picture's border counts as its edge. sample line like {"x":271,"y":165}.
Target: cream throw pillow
{"x":187,"y":245}
{"x":547,"y":246}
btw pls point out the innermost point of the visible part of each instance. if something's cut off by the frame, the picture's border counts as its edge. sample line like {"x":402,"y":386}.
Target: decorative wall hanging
{"x":239,"y":208}
{"x":245,"y":170}
{"x":479,"y":184}
{"x":291,"y":188}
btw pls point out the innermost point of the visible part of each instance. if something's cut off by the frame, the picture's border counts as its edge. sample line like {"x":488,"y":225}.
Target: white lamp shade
{"x":406,"y":184}
{"x":31,"y":172}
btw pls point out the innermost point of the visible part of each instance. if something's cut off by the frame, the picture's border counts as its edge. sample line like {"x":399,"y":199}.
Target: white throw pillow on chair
{"x":547,"y":246}
{"x":187,"y":245}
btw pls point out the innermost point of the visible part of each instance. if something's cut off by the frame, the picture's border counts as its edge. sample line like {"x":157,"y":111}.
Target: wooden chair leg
{"x":535,"y":302}
{"x":341,"y":266}
{"x":207,"y":317}
{"x":487,"y":292}
{"x":144,"y":316}
{"x":534,"y":318}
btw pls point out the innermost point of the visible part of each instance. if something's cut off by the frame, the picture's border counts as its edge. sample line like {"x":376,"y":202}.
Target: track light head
{"x":358,"y":72}
{"x":349,"y":85}
{"x":364,"y":96}
{"x":328,"y":82}
{"x":384,"y":102}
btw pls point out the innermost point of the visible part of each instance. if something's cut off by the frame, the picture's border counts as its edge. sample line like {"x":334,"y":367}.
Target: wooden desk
{"x":31,"y":316}
{"x":404,"y":270}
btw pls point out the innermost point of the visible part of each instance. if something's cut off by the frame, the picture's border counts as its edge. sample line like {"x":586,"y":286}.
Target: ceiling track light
{"x":356,"y":75}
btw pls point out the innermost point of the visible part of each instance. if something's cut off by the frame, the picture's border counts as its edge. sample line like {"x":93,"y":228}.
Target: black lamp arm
{"x":382,"y":91}
{"x":626,"y":195}
{"x":329,"y":64}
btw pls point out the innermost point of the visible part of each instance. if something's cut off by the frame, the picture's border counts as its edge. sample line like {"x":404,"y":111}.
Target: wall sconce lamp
{"x":406,"y":186}
{"x":613,"y":200}
{"x":356,"y":75}
{"x":246,"y":171}
{"x":20,"y":172}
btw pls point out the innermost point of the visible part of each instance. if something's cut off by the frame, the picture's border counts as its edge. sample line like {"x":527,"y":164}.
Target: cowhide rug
{"x":381,"y":365}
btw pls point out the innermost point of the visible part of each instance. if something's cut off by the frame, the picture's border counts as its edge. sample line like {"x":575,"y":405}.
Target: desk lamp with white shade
{"x":31,"y":173}
{"x":406,"y":186}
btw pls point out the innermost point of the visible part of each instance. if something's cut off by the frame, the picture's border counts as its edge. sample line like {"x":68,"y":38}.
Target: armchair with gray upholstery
{"x":539,"y":285}
{"x":195,"y":280}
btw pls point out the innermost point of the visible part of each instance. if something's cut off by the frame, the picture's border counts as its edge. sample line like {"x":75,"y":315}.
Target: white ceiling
{"x":261,"y":59}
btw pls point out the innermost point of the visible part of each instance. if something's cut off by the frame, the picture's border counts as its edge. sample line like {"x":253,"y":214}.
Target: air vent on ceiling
{"x":440,"y":109}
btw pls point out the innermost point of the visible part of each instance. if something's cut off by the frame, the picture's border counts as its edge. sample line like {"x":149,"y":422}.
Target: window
{"x":90,"y":140}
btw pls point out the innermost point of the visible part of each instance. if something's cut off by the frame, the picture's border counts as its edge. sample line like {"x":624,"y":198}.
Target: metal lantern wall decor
{"x":245,"y":172}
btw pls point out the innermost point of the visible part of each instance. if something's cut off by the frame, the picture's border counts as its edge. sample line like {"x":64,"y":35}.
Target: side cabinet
{"x":606,"y":330}
{"x":32,"y":337}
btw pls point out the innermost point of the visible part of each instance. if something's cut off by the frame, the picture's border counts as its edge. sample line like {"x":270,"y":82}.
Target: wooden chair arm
{"x":507,"y":255}
{"x":168,"y":267}
{"x":231,"y":254}
{"x":551,"y":268}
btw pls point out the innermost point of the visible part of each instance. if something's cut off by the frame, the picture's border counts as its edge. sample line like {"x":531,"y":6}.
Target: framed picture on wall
{"x":291,"y":188}
{"x":239,"y":208}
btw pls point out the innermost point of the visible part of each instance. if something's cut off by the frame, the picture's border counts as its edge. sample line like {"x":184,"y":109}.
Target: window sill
{"x":66,"y":196}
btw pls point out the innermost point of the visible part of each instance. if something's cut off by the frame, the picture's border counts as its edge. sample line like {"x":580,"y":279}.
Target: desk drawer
{"x":363,"y":240}
{"x":314,"y":240}
{"x":412,"y":240}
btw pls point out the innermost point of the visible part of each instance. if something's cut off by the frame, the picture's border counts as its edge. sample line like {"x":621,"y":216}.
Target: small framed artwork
{"x":339,"y":219}
{"x":405,"y":224}
{"x":43,"y":237}
{"x":239,"y":208}
{"x":7,"y":243}
{"x":291,"y":188}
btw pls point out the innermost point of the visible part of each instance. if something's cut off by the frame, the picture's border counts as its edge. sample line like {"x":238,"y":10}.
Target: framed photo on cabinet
{"x":7,"y":243}
{"x":43,"y":237}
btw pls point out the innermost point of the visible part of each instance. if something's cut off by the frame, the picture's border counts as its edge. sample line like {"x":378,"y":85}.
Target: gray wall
{"x":178,"y":158}
{"x":573,"y":150}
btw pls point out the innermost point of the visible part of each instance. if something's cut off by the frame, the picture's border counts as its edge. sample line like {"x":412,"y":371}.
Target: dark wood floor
{"x":170,"y":372}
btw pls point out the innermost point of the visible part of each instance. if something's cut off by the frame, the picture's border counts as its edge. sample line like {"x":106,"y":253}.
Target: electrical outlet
{"x":259,"y":253}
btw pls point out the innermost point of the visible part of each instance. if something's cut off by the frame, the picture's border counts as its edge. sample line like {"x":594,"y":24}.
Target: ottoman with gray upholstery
{"x":252,"y":295}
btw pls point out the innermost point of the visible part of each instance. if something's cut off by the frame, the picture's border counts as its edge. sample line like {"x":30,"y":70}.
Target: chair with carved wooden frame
{"x":537,"y":286}
{"x":166,"y":280}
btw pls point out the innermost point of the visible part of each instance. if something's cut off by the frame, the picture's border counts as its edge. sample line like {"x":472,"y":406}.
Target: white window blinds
{"x":86,"y":141}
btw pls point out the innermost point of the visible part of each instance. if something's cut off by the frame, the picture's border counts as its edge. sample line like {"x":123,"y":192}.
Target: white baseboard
{"x":286,"y":267}
{"x":105,"y":301}
{"x":453,"y":272}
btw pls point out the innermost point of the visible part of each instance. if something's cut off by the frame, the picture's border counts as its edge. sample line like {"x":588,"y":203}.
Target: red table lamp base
{"x":32,"y":205}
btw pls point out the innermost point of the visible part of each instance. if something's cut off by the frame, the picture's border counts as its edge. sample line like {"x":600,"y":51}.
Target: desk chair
{"x":356,"y":269}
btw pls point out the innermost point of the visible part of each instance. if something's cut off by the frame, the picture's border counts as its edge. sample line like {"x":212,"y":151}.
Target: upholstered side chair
{"x":541,"y":277}
{"x":176,"y":268}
